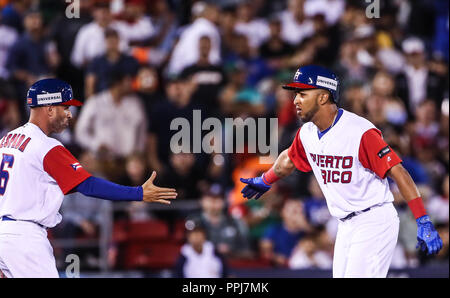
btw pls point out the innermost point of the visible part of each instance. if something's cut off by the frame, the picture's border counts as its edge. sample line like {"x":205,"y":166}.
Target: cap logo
{"x":326,"y":82}
{"x":49,"y":98}
{"x":297,"y":73}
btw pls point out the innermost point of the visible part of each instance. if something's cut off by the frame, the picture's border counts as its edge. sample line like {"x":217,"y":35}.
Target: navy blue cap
{"x":315,"y":77}
{"x":51,"y":92}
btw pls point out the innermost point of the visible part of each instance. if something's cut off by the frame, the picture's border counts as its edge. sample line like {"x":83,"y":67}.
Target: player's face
{"x":60,"y":118}
{"x":306,"y":104}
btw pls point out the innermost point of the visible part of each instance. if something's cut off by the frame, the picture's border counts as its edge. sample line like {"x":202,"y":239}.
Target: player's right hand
{"x":427,"y":236}
{"x":255,"y":187}
{"x":155,"y":194}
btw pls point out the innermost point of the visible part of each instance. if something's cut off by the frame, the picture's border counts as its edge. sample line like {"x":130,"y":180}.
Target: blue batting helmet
{"x":313,"y":77}
{"x":51,"y":92}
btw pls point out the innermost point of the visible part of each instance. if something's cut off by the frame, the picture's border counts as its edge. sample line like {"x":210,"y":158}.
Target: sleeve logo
{"x":384,"y":151}
{"x":76,"y":166}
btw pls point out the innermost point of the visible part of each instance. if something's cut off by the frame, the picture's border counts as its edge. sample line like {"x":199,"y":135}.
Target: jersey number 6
{"x":7,"y":162}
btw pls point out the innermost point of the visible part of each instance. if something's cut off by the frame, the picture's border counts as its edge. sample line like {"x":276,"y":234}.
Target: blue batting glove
{"x":255,"y":187}
{"x":427,"y":236}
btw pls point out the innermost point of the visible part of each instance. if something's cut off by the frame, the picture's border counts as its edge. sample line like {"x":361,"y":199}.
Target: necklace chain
{"x":332,"y":124}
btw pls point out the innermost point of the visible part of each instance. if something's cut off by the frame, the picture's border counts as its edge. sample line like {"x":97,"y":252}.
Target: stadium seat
{"x":151,"y":255}
{"x":179,"y":231}
{"x":145,"y":230}
{"x":248,"y":263}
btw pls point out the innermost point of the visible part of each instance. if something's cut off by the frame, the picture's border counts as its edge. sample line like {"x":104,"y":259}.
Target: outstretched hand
{"x":155,"y":194}
{"x":255,"y":187}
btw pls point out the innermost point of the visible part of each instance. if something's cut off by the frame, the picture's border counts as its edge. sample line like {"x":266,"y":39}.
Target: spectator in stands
{"x":315,"y":206}
{"x":148,"y":87}
{"x":348,"y":67}
{"x":198,"y":257}
{"x":9,"y":37}
{"x":90,"y":39}
{"x":227,"y":21}
{"x":184,"y":172}
{"x":178,"y":104}
{"x":255,"y":29}
{"x":275,"y":47}
{"x":113,"y":122}
{"x":354,"y":98}
{"x":14,"y":12}
{"x":136,"y":173}
{"x":295,"y":26}
{"x":186,"y":51}
{"x":100,"y":67}
{"x":443,"y":256}
{"x":10,"y":116}
{"x":256,"y":67}
{"x":208,"y":78}
{"x":279,"y":240}
{"x":229,"y":235}
{"x":424,"y":140}
{"x":426,"y":126}
{"x":63,"y":31}
{"x":440,"y":39}
{"x":259,"y":215}
{"x":308,"y":253}
{"x":32,"y":56}
{"x":443,"y":141}
{"x":383,"y":107}
{"x":134,"y":25}
{"x":417,"y":82}
{"x":331,"y":9}
{"x":164,"y":24}
{"x":438,"y":204}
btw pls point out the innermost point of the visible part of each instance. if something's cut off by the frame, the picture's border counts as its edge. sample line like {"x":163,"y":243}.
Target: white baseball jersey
{"x":36,"y":171}
{"x":349,"y":161}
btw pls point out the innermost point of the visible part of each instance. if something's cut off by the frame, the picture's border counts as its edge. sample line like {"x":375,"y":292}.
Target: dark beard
{"x":308,"y":116}
{"x":57,"y":126}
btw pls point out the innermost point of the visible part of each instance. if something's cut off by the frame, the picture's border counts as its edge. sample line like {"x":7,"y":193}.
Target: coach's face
{"x":59,"y":117}
{"x":307,"y":103}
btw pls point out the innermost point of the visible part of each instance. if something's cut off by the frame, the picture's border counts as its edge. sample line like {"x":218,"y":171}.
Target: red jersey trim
{"x":297,"y":154}
{"x":375,"y":154}
{"x":64,"y":168}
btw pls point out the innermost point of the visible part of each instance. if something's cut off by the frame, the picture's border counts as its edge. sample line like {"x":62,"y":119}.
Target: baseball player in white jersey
{"x":351,"y":162}
{"x":36,"y":171}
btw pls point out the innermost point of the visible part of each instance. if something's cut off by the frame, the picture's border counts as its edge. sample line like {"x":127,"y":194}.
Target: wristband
{"x":417,"y":207}
{"x":270,"y":177}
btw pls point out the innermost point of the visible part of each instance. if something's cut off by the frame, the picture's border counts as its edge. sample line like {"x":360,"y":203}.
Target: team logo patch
{"x":326,"y":82}
{"x":49,"y":98}
{"x":29,"y":101}
{"x":76,"y":166}
{"x":384,"y":151}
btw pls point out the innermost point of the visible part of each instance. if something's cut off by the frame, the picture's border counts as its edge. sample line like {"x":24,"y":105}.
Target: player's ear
{"x":50,"y":110}
{"x":324,"y":97}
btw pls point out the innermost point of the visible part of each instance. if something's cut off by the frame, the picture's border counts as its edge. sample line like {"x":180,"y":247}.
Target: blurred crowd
{"x":137,"y":65}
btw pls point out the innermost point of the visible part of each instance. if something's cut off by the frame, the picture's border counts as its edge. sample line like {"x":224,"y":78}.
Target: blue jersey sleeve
{"x":104,"y":189}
